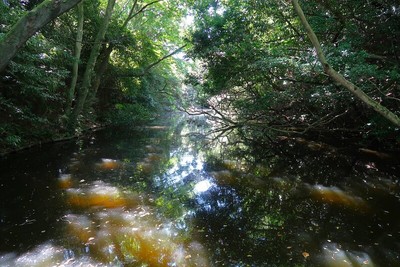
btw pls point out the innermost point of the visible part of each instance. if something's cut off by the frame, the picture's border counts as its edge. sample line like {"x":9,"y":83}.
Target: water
{"x":156,"y":196}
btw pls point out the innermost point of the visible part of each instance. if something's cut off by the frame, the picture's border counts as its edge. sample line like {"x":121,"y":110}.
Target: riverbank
{"x":5,"y":150}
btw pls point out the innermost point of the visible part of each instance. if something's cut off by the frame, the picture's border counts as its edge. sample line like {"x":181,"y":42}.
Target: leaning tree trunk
{"x":87,"y":77}
{"x":107,"y":52}
{"x":29,"y":24}
{"x":337,"y":77}
{"x":99,"y":74}
{"x":75,"y":67}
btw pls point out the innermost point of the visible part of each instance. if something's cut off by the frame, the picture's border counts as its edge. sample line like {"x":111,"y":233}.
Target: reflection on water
{"x":334,"y":256}
{"x":202,"y":186}
{"x":112,"y":208}
{"x":120,"y":229}
{"x":42,"y":255}
{"x":157,"y":197}
{"x":65,"y":181}
{"x":334,"y":195}
{"x":108,"y":164}
{"x":98,"y":195}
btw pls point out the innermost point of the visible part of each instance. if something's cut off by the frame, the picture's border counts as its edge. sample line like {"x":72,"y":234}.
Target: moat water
{"x":160,"y":195}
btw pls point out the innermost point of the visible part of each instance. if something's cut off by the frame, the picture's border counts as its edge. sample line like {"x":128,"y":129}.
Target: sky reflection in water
{"x":156,"y":199}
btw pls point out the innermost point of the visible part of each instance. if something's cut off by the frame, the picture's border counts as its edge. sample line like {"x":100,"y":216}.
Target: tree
{"x":77,"y":56}
{"x":38,"y":87}
{"x":262,"y":78}
{"x":28,"y":25}
{"x":137,"y":56}
{"x":90,"y":65}
{"x":134,"y":11}
{"x":338,"y":78}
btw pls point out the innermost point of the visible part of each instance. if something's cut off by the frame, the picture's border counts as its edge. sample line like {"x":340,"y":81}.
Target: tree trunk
{"x":101,"y":70}
{"x":337,"y":77}
{"x":75,"y":67}
{"x":29,"y":24}
{"x":87,"y":77}
{"x":107,"y":52}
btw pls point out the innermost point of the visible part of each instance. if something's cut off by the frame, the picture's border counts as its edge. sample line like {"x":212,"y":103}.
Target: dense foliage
{"x":107,"y":61}
{"x":262,"y":74}
{"x":134,"y":75}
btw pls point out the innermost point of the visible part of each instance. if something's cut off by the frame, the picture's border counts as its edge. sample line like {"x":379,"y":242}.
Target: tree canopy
{"x":260,"y":68}
{"x":259,"y":71}
{"x":103,"y":62}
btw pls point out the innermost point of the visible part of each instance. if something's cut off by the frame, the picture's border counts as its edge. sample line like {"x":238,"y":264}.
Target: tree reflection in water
{"x":159,"y":198}
{"x":300,"y":206}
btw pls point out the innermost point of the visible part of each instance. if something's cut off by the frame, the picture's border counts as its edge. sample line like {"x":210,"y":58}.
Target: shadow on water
{"x":29,"y":198}
{"x":156,"y":197}
{"x":301,"y":206}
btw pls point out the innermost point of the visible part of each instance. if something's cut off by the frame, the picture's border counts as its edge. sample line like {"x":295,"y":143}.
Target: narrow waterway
{"x":157,"y":196}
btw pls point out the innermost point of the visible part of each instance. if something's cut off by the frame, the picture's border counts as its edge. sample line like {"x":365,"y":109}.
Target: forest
{"x":204,"y":133}
{"x":98,"y":64}
{"x":324,"y":70}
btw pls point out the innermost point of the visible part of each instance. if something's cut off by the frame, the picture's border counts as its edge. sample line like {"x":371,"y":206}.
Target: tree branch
{"x":163,"y":58}
{"x":28,"y":25}
{"x":337,"y":77}
{"x":131,"y":16}
{"x":147,"y":69}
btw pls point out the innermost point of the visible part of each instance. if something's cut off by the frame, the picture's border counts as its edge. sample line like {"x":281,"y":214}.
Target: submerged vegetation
{"x":152,"y":197}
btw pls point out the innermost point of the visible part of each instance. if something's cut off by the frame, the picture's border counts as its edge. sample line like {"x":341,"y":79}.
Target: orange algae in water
{"x":98,"y":195}
{"x":154,"y":252}
{"x":109,"y":164}
{"x":65,"y":181}
{"x":86,"y":201}
{"x":79,"y":226}
{"x":337,"y":196}
{"x":134,"y":236}
{"x":126,"y":233}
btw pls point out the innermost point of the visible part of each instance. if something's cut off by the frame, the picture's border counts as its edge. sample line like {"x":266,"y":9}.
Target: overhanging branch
{"x":136,"y":73}
{"x":337,"y":77}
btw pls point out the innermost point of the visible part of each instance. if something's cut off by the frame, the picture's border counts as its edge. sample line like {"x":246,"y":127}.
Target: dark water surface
{"x":157,"y":197}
